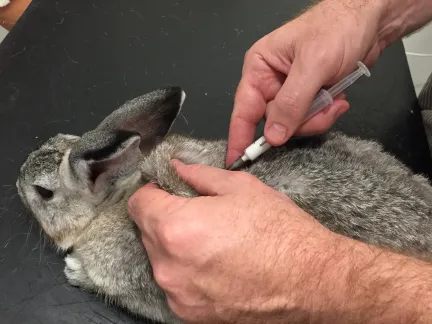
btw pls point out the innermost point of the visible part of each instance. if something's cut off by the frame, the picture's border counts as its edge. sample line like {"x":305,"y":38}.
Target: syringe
{"x":322,"y":100}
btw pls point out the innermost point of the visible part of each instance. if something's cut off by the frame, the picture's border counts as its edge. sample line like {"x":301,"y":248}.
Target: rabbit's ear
{"x":151,"y":115}
{"x":99,"y":159}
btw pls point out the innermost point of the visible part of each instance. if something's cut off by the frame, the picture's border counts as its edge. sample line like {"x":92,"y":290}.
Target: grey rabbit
{"x":78,"y":187}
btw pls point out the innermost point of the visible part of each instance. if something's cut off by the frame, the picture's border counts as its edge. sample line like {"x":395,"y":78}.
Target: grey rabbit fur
{"x":78,"y":187}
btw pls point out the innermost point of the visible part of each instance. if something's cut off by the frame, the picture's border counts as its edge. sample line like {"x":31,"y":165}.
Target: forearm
{"x":388,"y":20}
{"x":325,"y":278}
{"x":402,"y":17}
{"x":364,"y":284}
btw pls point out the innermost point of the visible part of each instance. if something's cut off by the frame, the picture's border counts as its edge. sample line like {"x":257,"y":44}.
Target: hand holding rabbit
{"x":245,"y":253}
{"x":227,"y":250}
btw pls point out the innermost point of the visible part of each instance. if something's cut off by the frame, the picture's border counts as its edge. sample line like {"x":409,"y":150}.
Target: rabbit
{"x":78,"y":188}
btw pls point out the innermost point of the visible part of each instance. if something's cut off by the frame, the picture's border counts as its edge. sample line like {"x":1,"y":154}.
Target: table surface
{"x":67,"y":64}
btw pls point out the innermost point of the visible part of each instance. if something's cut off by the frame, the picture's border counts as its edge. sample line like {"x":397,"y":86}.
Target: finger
{"x":150,"y":202}
{"x":323,"y":120}
{"x":259,"y":84}
{"x":249,"y":107}
{"x":287,"y":111}
{"x":206,"y":180}
{"x":340,"y":96}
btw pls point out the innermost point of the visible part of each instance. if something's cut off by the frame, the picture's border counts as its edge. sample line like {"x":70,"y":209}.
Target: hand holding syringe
{"x":322,"y":100}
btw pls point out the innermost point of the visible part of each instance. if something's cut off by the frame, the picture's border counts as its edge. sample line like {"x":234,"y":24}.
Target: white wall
{"x":418,"y":48}
{"x":3,"y":33}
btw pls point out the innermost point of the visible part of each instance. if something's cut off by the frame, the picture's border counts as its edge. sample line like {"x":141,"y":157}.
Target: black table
{"x":67,"y":64}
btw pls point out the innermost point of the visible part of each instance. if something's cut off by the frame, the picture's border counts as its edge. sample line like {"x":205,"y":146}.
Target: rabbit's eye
{"x":44,"y":193}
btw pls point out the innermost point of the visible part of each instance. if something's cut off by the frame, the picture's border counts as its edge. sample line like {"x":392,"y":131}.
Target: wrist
{"x":399,"y":18}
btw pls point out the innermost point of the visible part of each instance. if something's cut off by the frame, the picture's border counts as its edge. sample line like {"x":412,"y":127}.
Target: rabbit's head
{"x":68,"y":178}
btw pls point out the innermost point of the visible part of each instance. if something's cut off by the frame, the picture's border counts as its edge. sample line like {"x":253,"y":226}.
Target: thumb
{"x":288,"y":110}
{"x":206,"y":180}
{"x":149,"y":202}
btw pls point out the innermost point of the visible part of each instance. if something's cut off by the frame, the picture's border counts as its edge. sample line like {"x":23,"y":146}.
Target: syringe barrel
{"x":325,"y":97}
{"x":345,"y":83}
{"x":322,"y":100}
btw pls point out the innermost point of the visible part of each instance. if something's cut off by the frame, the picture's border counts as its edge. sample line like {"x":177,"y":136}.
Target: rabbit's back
{"x":354,"y":188}
{"x":349,"y":185}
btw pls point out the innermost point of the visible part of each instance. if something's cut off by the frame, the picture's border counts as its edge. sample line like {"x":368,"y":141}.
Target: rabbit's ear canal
{"x":113,"y":150}
{"x":100,"y":159}
{"x":151,"y":115}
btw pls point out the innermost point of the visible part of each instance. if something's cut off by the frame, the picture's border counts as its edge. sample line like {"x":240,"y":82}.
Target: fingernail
{"x":340,"y":112}
{"x":176,"y":163}
{"x":277,"y":132}
{"x":152,"y":184}
{"x":237,"y":154}
{"x":232,"y":156}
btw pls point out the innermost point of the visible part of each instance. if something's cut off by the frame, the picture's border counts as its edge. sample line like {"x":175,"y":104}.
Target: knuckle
{"x":133,"y":206}
{"x":325,"y":59}
{"x":286,"y":103}
{"x":132,"y":203}
{"x":178,"y":310}
{"x":167,"y":233}
{"x":244,"y":177}
{"x":250,"y":56}
{"x":164,"y":276}
{"x":253,"y":52}
{"x":322,"y":128}
{"x":175,"y":235}
{"x":247,"y":54}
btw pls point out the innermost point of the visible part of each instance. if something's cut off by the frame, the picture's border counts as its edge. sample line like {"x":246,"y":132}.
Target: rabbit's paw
{"x":75,"y":273}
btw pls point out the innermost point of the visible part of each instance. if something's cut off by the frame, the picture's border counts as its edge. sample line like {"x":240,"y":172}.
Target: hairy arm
{"x":377,"y":286}
{"x":327,"y":278}
{"x":352,"y":282}
{"x":402,"y":17}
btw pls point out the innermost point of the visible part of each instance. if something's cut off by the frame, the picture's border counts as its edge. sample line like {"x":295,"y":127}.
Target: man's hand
{"x":284,"y":70}
{"x":244,"y":253}
{"x":233,"y":254}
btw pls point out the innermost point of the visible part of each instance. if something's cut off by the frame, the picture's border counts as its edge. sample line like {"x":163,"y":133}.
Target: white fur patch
{"x":74,"y":272}
{"x":72,"y":263}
